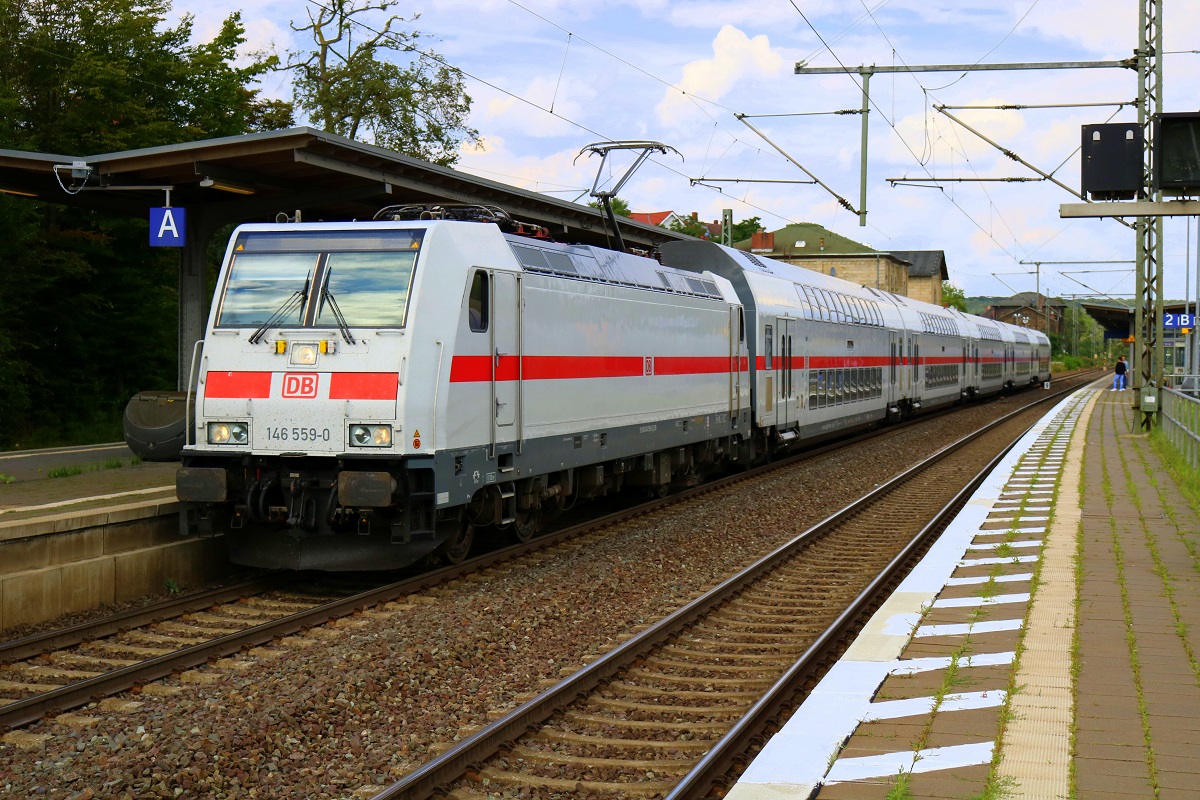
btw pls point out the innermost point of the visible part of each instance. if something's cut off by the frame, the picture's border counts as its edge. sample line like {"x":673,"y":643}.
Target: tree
{"x":953,"y":297}
{"x":109,"y":75}
{"x":689,"y":226}
{"x":746,"y":228}
{"x":619,"y":206}
{"x":359,"y":80}
{"x":87,"y":310}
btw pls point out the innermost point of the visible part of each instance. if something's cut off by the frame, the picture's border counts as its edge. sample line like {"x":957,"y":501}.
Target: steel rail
{"x":38,"y":643}
{"x":730,"y":748}
{"x":27,"y":710}
{"x":433,"y":776}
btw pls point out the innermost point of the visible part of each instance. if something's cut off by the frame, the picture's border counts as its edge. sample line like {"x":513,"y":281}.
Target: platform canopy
{"x":1116,"y":319}
{"x":263,"y":177}
{"x":256,"y":176}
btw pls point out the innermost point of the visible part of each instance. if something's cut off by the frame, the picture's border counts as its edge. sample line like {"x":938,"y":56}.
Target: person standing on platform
{"x":1119,"y":374}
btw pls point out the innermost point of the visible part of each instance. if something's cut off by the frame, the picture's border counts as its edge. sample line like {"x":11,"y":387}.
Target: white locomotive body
{"x":370,"y":392}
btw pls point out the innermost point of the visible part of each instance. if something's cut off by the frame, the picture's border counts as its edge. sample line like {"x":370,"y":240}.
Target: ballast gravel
{"x":341,"y":712}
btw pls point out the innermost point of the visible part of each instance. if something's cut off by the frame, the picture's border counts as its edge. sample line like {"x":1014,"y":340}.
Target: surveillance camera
{"x":79,"y":169}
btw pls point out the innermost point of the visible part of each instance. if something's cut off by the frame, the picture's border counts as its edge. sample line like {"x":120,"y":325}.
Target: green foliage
{"x":953,"y":297}
{"x":901,"y":788}
{"x":64,"y":472}
{"x":87,"y":310}
{"x":619,"y":206}
{"x":97,"y":76}
{"x":746,"y":228}
{"x":362,"y":79}
{"x":689,"y":226}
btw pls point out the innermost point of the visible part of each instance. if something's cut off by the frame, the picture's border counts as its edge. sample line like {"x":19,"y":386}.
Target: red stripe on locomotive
{"x":238,"y":385}
{"x":363,"y":385}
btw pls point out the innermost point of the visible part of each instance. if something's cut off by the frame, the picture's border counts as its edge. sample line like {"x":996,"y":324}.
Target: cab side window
{"x":477,"y":302}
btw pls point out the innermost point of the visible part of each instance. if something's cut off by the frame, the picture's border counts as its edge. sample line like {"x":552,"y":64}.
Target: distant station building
{"x":926,"y":271}
{"x":1029,"y":310}
{"x":817,"y":248}
{"x":911,"y":273}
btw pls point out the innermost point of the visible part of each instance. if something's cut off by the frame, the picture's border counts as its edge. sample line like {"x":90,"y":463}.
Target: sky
{"x":548,"y":78}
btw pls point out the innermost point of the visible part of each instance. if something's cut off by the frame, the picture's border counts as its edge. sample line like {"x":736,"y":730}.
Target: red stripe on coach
{"x":363,"y":385}
{"x":238,"y":385}
{"x":692,"y":365}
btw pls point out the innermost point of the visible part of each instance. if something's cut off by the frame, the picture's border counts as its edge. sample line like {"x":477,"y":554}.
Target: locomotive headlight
{"x":228,"y":433}
{"x":371,"y":435}
{"x":304,"y":354}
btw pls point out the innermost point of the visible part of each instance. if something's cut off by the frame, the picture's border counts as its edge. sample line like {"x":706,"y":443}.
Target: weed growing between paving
{"x":1076,"y":651}
{"x":1130,"y":634}
{"x":1076,"y":657}
{"x":997,"y":786}
{"x":900,"y":789}
{"x":1174,"y":464}
{"x":1160,"y":566}
{"x":78,"y":469}
{"x":1185,"y":476}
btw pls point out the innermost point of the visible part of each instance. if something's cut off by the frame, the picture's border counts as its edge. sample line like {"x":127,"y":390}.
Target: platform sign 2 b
{"x":1171,"y":320}
{"x":168,"y":227}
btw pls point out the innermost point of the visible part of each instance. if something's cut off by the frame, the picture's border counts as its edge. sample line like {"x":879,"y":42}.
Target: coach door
{"x":785,"y":372}
{"x":506,"y":357}
{"x":894,"y":354}
{"x":916,"y":372}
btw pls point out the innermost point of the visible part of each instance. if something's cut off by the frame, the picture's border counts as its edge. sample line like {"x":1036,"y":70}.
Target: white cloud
{"x":736,"y":57}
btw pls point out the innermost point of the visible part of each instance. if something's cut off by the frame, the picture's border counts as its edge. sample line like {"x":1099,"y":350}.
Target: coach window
{"x":477,"y":303}
{"x":768,"y":346}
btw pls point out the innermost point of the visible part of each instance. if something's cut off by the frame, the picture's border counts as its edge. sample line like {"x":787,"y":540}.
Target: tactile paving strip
{"x":992,"y":545}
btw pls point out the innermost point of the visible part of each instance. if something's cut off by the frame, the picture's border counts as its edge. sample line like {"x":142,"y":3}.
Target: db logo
{"x":299,"y":385}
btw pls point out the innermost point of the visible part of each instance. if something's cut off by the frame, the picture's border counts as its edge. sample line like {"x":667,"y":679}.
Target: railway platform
{"x":1045,"y":647}
{"x":92,"y":536}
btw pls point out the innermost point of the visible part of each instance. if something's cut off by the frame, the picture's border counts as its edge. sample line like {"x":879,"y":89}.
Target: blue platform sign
{"x":1179,"y":320}
{"x":168,"y":227}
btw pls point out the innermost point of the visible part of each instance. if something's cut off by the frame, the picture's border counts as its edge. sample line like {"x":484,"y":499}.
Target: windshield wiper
{"x":343,"y":326}
{"x":297,"y":300}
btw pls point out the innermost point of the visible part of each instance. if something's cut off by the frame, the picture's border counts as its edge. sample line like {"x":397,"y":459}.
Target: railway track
{"x":671,"y":710}
{"x":60,"y":670}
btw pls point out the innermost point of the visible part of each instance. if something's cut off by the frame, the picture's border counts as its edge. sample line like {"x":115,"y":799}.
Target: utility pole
{"x":866,"y":72}
{"x":1148,"y":321}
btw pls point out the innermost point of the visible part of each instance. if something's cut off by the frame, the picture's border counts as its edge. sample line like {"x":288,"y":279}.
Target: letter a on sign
{"x":168,"y":227}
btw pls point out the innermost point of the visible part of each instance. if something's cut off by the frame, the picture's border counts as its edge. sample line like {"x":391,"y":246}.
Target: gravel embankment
{"x":363,"y":701}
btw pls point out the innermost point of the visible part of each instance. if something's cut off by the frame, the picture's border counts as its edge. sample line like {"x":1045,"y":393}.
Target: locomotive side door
{"x":737,"y":350}
{"x":506,"y":357}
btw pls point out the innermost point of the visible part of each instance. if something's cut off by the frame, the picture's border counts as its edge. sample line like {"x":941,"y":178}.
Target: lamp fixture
{"x":225,"y":186}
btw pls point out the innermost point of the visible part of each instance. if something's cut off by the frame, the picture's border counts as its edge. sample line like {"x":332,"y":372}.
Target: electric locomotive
{"x":369,"y":393}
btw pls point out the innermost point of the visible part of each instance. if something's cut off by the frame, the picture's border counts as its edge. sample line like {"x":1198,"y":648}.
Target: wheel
{"x":458,"y":547}
{"x":527,"y":525}
{"x":658,"y":491}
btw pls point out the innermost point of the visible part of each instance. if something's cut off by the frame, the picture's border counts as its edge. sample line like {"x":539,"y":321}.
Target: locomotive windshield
{"x":367,"y":272}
